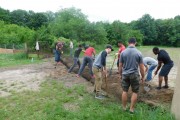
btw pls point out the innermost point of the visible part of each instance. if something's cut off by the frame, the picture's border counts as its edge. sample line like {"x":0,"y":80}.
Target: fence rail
{"x":12,"y":46}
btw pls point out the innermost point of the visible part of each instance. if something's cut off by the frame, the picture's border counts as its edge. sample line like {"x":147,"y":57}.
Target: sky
{"x":102,"y":10}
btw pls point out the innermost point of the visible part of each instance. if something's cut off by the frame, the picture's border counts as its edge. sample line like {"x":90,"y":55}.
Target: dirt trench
{"x":112,"y":86}
{"x":29,"y":77}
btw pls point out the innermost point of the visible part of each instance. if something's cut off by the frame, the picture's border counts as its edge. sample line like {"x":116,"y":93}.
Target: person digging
{"x":76,"y":58}
{"x":163,"y":57}
{"x":150,"y":64}
{"x":99,"y":70}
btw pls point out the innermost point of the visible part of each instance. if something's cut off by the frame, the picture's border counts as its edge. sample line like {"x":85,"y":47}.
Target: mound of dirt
{"x":112,"y":85}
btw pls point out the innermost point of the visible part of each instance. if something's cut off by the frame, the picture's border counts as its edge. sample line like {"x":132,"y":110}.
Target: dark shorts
{"x":131,"y":80}
{"x":166,"y":69}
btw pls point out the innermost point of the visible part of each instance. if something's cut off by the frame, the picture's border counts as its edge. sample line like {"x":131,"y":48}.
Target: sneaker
{"x":77,"y":76}
{"x":100,"y":97}
{"x":165,"y":87}
{"x":158,"y":88}
{"x":59,"y":63}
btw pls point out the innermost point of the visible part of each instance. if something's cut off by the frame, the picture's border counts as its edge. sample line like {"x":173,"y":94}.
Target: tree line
{"x":21,"y":26}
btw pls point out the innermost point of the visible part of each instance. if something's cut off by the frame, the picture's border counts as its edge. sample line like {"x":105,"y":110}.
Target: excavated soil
{"x":112,"y":85}
{"x":29,"y":77}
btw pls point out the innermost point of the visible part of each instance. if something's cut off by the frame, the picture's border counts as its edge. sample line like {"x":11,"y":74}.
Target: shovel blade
{"x":146,"y":88}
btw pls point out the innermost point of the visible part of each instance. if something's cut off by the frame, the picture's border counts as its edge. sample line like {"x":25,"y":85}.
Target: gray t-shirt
{"x":100,"y":60}
{"x":149,"y":61}
{"x":130,"y":58}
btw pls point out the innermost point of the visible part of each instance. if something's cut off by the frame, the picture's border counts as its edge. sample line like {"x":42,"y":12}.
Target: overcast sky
{"x":102,"y":10}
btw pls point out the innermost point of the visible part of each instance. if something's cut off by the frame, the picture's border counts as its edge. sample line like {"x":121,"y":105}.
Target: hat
{"x":109,"y":46}
{"x":132,"y":40}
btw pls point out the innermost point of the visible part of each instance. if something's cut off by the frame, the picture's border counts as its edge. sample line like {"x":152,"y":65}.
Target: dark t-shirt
{"x":103,"y":58}
{"x":164,"y":57}
{"x":77,"y":52}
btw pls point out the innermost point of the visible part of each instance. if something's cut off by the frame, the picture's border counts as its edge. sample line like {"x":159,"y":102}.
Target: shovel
{"x":110,"y":72}
{"x":147,"y":88}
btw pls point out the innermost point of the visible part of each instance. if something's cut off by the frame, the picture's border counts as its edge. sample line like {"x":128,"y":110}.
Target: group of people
{"x":130,"y":60}
{"x":130,"y":63}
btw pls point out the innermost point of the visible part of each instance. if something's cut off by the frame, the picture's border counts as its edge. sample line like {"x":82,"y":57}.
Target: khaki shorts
{"x":130,"y":80}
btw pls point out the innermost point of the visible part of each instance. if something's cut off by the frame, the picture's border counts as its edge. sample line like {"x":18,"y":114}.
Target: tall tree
{"x":147,"y":26}
{"x":19,"y":17}
{"x":4,"y":15}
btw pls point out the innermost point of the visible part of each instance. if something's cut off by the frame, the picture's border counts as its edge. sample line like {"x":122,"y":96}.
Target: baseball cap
{"x":109,"y":46}
{"x":132,"y":40}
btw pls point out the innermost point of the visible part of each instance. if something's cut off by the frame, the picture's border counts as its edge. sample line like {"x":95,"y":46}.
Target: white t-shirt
{"x":149,"y":61}
{"x":71,"y":44}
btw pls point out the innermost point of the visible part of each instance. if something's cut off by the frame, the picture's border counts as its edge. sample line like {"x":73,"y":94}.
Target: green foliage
{"x":147,"y":26}
{"x":11,"y":33}
{"x":71,"y":23}
{"x":4,"y":15}
{"x":54,"y":101}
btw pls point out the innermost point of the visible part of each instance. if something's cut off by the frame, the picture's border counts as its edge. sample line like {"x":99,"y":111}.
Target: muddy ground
{"x":29,"y":77}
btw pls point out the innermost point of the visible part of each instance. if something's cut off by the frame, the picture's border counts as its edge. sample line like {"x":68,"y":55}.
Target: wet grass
{"x":56,"y":102}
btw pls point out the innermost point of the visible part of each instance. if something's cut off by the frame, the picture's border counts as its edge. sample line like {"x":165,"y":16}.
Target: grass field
{"x":56,"y":102}
{"x":15,"y":60}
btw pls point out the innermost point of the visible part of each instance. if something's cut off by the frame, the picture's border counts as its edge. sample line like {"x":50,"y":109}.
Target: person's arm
{"x":120,"y":69}
{"x":146,"y":68}
{"x":159,"y":66}
{"x":94,"y":53}
{"x":103,"y":61}
{"x":141,"y":66}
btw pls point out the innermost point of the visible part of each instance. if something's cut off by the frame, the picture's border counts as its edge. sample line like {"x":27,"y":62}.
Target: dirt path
{"x":29,"y":77}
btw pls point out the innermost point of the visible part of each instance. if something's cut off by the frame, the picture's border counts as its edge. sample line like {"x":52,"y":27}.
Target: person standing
{"x":121,"y":48}
{"x":99,"y":68}
{"x":88,"y":59}
{"x":130,"y":60}
{"x":76,"y":58}
{"x":150,"y":64}
{"x":58,"y":49}
{"x":71,"y":48}
{"x":163,"y":57}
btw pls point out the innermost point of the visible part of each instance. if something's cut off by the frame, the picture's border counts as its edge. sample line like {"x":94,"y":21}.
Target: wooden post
{"x":175,"y":107}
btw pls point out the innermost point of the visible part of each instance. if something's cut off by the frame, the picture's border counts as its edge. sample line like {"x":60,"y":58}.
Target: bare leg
{"x":166,"y":80}
{"x":133,"y":101}
{"x":160,"y":80}
{"x":124,"y":100}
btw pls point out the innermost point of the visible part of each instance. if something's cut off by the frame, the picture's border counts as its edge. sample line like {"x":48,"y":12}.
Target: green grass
{"x":7,"y":60}
{"x":56,"y":102}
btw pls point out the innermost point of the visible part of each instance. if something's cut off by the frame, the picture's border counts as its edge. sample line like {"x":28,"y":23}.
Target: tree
{"x":4,"y":15}
{"x":19,"y":17}
{"x":147,"y":26}
{"x":37,"y":20}
{"x":11,"y":33}
{"x":166,"y":32}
